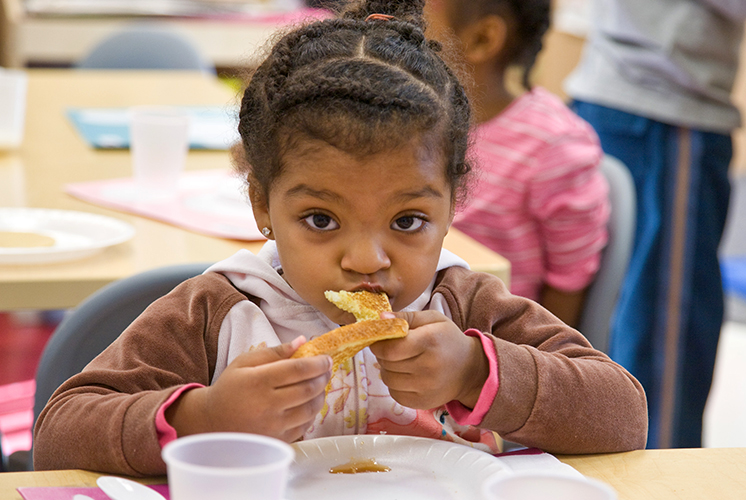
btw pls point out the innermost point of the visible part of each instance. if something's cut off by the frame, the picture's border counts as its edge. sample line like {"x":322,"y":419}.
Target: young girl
{"x":354,"y":135}
{"x":541,"y":201}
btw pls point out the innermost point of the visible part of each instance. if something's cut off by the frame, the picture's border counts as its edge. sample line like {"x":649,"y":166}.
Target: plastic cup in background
{"x":545,"y":486}
{"x":228,"y":466}
{"x":159,"y":143}
{"x":13,"y":84}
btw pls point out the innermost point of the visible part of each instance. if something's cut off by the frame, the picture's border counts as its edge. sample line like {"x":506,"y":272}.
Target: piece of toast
{"x":363,"y":304}
{"x":344,"y":342}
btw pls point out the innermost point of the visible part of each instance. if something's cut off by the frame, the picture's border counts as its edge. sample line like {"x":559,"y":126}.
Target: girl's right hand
{"x":261,"y":392}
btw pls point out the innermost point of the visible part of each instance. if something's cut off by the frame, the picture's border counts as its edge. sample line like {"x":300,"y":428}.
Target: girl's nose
{"x":365,"y":256}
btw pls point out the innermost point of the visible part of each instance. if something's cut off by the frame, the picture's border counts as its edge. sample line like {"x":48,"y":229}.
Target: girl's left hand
{"x":434,"y":364}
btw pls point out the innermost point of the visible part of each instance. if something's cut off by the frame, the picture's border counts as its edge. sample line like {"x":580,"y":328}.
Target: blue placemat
{"x":734,"y":275}
{"x":211,"y":127}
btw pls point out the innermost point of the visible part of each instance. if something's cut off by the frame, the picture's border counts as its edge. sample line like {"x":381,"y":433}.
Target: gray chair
{"x":146,"y":47}
{"x":89,"y":329}
{"x":601,"y":299}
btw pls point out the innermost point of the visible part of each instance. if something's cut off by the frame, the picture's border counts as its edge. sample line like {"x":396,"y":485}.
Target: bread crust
{"x":344,"y":342}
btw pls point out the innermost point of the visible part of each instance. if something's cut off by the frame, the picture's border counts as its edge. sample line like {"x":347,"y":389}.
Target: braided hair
{"x":530,"y":20}
{"x":361,"y":85}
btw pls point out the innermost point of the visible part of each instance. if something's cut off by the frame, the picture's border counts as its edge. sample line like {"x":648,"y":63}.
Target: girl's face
{"x":344,"y":223}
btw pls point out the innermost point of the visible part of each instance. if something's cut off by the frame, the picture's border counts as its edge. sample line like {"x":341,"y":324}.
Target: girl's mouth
{"x":369,"y":287}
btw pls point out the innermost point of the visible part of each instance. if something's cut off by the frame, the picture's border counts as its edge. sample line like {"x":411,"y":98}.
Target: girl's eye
{"x":409,"y":223}
{"x":321,"y":222}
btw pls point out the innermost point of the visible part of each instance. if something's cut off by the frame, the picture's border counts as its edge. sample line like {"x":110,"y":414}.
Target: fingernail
{"x":331,"y":363}
{"x":388,"y":315}
{"x":298,"y":341}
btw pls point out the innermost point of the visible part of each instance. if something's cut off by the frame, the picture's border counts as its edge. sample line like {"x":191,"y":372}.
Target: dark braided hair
{"x":359,"y":85}
{"x":530,"y":20}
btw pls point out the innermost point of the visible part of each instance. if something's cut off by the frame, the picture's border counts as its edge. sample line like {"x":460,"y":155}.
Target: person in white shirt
{"x":655,"y":81}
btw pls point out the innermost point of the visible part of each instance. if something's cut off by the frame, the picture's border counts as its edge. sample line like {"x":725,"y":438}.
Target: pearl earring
{"x":266,"y":232}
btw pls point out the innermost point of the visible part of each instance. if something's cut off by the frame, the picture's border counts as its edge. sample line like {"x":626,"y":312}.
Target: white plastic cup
{"x":159,"y":143}
{"x":13,"y":84}
{"x":545,"y":485}
{"x":228,"y":466}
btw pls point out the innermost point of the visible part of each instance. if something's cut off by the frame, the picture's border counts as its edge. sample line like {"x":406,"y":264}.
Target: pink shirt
{"x":539,"y":200}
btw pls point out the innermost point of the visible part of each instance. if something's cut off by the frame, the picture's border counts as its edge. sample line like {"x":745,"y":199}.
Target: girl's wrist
{"x":187,"y":415}
{"x":476,"y":372}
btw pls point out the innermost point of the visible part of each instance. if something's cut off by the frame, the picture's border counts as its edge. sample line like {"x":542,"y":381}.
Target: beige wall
{"x":10,"y":14}
{"x":557,"y":59}
{"x":562,"y":51}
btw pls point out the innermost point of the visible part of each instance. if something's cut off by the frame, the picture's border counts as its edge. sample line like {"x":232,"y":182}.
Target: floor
{"x":23,"y":336}
{"x":725,"y":414}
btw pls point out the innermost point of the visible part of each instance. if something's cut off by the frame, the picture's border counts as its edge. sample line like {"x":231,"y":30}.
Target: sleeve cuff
{"x":460,"y":413}
{"x":163,"y":429}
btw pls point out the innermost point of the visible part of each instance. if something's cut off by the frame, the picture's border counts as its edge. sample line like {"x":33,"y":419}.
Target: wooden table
{"x":686,"y":474}
{"x":694,"y":474}
{"x":53,"y":154}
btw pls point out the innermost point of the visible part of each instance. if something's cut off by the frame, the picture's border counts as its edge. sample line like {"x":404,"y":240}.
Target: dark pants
{"x":667,"y":322}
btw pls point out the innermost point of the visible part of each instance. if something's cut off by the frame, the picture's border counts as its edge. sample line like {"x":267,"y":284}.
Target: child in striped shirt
{"x":541,"y":200}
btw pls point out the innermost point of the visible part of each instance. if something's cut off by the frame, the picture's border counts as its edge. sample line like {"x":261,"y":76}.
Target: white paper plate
{"x":421,"y":468}
{"x":76,"y":234}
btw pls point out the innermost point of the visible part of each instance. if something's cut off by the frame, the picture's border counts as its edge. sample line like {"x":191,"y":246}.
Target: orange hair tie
{"x":379,"y":17}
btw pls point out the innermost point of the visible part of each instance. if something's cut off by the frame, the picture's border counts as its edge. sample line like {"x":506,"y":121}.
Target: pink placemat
{"x":68,"y":493}
{"x":208,"y":201}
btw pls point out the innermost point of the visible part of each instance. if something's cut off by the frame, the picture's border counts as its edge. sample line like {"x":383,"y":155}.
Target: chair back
{"x":89,"y":329}
{"x":601,"y":299}
{"x":146,"y":47}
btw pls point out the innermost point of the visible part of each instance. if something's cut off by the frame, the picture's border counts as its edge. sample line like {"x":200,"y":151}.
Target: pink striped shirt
{"x":539,"y":200}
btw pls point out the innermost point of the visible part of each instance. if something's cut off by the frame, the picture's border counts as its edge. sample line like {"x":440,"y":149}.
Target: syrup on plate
{"x":358,"y":465}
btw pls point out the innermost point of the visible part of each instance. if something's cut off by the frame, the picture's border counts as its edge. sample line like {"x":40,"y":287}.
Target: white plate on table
{"x":75,"y":234}
{"x":421,"y":468}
